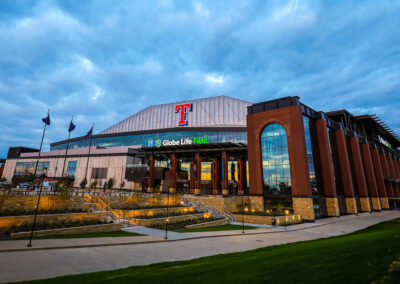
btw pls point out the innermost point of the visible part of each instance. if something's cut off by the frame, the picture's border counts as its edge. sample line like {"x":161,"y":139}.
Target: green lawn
{"x":366,"y":256}
{"x":217,"y":228}
{"x":90,"y":235}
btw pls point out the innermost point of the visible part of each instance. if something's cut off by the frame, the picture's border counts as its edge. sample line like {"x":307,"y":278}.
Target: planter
{"x":71,"y":231}
{"x":267,"y":220}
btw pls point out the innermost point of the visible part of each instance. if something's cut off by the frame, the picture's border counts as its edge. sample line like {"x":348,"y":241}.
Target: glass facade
{"x":72,"y":168}
{"x":311,"y":166}
{"x":275,"y":160}
{"x":149,"y":140}
{"x":27,"y":168}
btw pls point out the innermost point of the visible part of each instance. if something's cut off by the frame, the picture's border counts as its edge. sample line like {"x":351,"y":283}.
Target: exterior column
{"x":371,"y":179}
{"x":385,"y":169}
{"x":345,"y":172}
{"x":328,"y":175}
{"x":393,"y":174}
{"x":215,"y":176}
{"x":173,"y":171}
{"x":197,"y":174}
{"x":192,"y":178}
{"x":379,"y":179}
{"x":224,"y":178}
{"x":241,"y":176}
{"x":150,"y":187}
{"x":360,"y":176}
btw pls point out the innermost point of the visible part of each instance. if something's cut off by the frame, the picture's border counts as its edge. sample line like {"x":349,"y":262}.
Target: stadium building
{"x":282,"y":153}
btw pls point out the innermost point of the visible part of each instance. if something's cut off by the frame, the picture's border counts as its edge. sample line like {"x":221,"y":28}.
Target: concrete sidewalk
{"x":46,"y":262}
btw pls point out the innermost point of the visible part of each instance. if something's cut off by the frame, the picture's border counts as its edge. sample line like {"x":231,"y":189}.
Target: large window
{"x":27,"y":168}
{"x":149,"y":140}
{"x":71,"y":170}
{"x":275,"y":160}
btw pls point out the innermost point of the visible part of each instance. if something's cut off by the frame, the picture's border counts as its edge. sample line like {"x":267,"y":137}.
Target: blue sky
{"x":102,"y":61}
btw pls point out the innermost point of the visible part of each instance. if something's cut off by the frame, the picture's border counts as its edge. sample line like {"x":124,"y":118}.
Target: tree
{"x":110,"y":183}
{"x":122,"y":184}
{"x":105,"y":184}
{"x":95,"y":183}
{"x":83,"y":183}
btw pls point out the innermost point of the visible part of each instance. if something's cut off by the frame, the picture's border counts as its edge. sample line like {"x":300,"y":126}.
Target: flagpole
{"x":34,"y":176}
{"x":66,"y":151}
{"x":90,"y":145}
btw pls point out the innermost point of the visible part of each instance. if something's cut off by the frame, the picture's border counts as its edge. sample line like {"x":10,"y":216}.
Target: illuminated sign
{"x":182,"y":141}
{"x":183,"y":109}
{"x":384,"y":142}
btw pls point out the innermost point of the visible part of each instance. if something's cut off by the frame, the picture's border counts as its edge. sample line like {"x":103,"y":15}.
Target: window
{"x":275,"y":160}
{"x":99,"y":173}
{"x":27,"y":168}
{"x":72,"y":168}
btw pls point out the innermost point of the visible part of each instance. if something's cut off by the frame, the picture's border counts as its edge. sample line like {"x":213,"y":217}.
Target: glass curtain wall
{"x":276,"y":169}
{"x":28,"y":168}
{"x":309,"y":128}
{"x":71,"y":170}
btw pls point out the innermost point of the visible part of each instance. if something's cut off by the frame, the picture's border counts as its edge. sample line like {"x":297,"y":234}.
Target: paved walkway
{"x":113,"y":253}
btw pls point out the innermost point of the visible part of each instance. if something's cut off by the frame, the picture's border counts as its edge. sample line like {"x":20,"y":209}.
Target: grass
{"x":370,"y":255}
{"x":216,"y":228}
{"x":89,"y":235}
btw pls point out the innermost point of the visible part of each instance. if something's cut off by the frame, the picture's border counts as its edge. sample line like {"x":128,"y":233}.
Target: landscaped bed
{"x":371,"y":255}
{"x":183,"y":224}
{"x":88,"y":235}
{"x":216,"y":228}
{"x":8,"y":213}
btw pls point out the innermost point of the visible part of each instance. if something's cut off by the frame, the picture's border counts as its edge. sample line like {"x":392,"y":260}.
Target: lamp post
{"x":167,"y":220}
{"x":37,"y":208}
{"x":243,"y":213}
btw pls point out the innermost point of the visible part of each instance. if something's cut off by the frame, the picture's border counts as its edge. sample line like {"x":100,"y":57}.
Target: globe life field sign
{"x":182,"y":141}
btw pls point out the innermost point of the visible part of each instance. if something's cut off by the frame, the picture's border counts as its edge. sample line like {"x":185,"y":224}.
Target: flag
{"x":71,"y":127}
{"x":47,"y":119}
{"x":90,"y":132}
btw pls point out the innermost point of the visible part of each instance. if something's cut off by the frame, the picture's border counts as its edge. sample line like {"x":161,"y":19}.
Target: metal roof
{"x":218,"y":111}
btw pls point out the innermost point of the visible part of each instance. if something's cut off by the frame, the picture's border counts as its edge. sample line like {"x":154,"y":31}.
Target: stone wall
{"x":229,"y":204}
{"x":13,"y":203}
{"x":215,"y":223}
{"x":267,"y":220}
{"x":151,"y":212}
{"x":8,"y":222}
{"x":71,"y":231}
{"x":173,"y":219}
{"x":141,"y":200}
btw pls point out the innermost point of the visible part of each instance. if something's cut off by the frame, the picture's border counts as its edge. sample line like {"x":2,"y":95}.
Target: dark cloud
{"x":102,"y":61}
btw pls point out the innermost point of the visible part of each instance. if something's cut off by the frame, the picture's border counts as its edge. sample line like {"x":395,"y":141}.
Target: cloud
{"x":102,"y":61}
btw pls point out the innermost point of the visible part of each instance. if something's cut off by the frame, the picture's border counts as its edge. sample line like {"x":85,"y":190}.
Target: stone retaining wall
{"x":71,"y":231}
{"x":215,"y":223}
{"x":47,"y":203}
{"x":229,"y":204}
{"x":151,"y":212}
{"x":174,"y":219}
{"x":266,"y":220}
{"x":10,"y":221}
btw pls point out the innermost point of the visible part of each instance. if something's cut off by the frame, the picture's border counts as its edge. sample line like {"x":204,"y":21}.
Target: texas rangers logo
{"x":183,"y":109}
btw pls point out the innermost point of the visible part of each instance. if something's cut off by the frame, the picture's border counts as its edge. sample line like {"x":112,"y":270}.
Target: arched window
{"x":275,"y":160}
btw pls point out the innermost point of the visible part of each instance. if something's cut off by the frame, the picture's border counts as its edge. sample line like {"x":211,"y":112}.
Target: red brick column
{"x":385,"y":170}
{"x":225,"y":188}
{"x":197,"y":183}
{"x":215,"y":176}
{"x":174,"y":166}
{"x":360,"y":176}
{"x":241,"y":176}
{"x":393,"y":174}
{"x":345,"y":171}
{"x":150,"y":188}
{"x":328,"y":175}
{"x":379,"y":179}
{"x":370,"y":175}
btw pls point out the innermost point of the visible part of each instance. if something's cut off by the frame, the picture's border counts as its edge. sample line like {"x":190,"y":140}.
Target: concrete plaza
{"x":56,"y":257}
